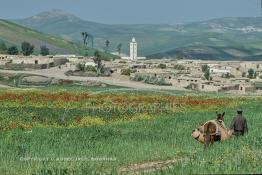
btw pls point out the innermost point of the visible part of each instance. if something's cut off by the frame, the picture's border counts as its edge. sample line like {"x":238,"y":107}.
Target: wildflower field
{"x":73,"y":131}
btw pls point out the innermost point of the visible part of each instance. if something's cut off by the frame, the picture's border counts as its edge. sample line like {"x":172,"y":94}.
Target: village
{"x":244,"y":77}
{"x":197,"y":75}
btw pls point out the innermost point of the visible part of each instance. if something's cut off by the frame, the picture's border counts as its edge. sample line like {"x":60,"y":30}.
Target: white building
{"x":219,"y":71}
{"x":93,"y":64}
{"x":133,"y":51}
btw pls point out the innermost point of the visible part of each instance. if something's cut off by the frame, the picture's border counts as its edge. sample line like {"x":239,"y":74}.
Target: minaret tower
{"x":133,"y":49}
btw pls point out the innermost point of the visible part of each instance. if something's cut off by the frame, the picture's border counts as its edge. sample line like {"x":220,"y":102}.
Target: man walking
{"x":239,"y":124}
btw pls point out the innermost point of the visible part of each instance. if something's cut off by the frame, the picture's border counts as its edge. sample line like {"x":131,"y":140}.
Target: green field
{"x":44,"y":131}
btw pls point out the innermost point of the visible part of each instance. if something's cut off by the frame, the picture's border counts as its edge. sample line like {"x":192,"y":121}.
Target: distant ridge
{"x":225,"y":38}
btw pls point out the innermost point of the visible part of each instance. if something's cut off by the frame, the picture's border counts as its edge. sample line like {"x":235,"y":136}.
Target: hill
{"x":68,"y":26}
{"x":240,"y":35}
{"x":14,"y":34}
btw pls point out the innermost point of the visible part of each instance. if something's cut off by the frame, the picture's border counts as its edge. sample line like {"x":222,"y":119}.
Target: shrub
{"x":106,"y":71}
{"x":138,"y":77}
{"x":80,"y":67}
{"x":12,"y":50}
{"x":228,"y":75}
{"x":149,"y":79}
{"x":162,"y":66}
{"x":251,"y":73}
{"x":179,"y":67}
{"x":122,"y":61}
{"x":126,"y":72}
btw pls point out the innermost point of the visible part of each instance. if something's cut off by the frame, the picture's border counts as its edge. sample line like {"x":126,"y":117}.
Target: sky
{"x":134,"y":11}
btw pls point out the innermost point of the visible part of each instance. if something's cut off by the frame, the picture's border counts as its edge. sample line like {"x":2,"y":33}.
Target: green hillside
{"x":13,"y":34}
{"x":241,"y":34}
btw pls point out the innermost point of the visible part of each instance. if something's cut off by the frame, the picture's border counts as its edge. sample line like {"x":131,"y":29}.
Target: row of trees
{"x":88,"y":41}
{"x":26,"y":49}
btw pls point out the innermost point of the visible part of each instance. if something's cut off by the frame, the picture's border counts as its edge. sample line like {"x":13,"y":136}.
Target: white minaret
{"x":133,"y":49}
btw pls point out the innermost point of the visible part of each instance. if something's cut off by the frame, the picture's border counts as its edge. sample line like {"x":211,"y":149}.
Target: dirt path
{"x":148,"y":167}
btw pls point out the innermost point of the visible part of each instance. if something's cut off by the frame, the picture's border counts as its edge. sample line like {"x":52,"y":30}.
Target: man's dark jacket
{"x":239,"y":124}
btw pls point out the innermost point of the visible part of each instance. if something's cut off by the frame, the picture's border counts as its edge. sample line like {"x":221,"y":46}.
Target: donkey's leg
{"x":207,"y":140}
{"x":212,"y":139}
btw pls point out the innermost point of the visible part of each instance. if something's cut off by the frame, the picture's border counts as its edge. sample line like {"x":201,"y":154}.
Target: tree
{"x":85,"y":36}
{"x":207,"y":74}
{"x":12,"y":50}
{"x":27,"y":48}
{"x":3,"y":47}
{"x":80,"y":67}
{"x":107,"y":45}
{"x":161,"y":66}
{"x":44,"y":50}
{"x":251,"y":73}
{"x":119,"y":47}
{"x":205,"y":68}
{"x":98,"y":60}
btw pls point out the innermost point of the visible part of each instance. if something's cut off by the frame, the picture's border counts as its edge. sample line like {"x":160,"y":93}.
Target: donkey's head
{"x":220,"y":117}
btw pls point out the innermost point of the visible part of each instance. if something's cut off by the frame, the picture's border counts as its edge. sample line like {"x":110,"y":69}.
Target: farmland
{"x":93,"y":131}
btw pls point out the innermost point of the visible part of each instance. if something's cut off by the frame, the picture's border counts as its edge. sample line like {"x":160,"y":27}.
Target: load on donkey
{"x":212,"y":131}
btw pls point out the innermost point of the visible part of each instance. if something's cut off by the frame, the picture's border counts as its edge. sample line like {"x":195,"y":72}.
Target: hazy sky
{"x":134,"y":11}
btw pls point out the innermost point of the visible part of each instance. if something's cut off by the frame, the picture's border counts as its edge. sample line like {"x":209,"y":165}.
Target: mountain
{"x":225,"y":38}
{"x":13,"y":34}
{"x":68,"y":26}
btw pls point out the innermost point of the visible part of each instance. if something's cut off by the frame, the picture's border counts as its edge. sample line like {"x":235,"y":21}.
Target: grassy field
{"x":96,"y":131}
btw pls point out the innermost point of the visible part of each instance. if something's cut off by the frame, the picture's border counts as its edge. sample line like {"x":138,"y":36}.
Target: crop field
{"x":78,"y":131}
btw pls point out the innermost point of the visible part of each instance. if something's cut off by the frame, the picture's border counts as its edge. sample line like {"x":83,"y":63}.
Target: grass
{"x":34,"y":129}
